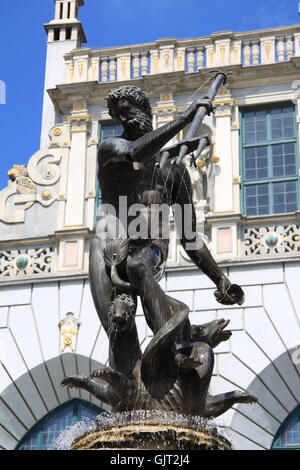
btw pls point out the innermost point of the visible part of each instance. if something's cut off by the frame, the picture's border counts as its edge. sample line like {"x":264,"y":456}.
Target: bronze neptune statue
{"x":127,"y":259}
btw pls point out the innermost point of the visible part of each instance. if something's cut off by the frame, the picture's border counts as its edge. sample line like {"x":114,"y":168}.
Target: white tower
{"x":65,"y":33}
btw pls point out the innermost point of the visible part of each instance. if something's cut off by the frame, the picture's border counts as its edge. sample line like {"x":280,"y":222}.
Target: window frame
{"x":101,"y":124}
{"x":39,"y":427}
{"x":283,"y":428}
{"x":270,"y":180}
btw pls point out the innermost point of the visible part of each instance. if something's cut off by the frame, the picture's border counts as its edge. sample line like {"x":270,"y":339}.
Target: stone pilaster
{"x":79,"y":128}
{"x":224,"y":178}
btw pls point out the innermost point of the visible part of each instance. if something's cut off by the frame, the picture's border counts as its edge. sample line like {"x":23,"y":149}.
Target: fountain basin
{"x":152,"y":433}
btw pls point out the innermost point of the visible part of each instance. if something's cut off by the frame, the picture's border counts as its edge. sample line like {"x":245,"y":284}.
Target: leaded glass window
{"x":269,"y":160}
{"x":45,"y":433}
{"x":288,"y":436}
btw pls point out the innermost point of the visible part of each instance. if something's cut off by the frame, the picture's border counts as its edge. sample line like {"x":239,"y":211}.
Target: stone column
{"x":200,"y":57}
{"x":144,"y":62}
{"x":136,"y":64}
{"x":289,"y":46}
{"x":255,"y":52}
{"x":247,"y":53}
{"x":281,"y":48}
{"x":104,"y":70}
{"x":191,"y":60}
{"x":112,"y":69}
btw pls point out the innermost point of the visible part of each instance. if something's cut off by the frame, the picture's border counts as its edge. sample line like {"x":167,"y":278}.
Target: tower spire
{"x":66,"y":26}
{"x":65,"y":33}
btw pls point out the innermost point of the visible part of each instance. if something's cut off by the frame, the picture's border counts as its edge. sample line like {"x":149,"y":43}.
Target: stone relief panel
{"x":30,"y":184}
{"x":272,"y":240}
{"x":26,"y":261}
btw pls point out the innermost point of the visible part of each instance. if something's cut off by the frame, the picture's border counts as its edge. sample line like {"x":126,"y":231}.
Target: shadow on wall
{"x":35,"y":394}
{"x":278,"y":390}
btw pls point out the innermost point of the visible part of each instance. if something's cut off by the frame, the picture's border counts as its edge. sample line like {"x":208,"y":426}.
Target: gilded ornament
{"x":57,"y":131}
{"x":69,"y":330}
{"x":166,"y":58}
{"x":222,"y":51}
{"x":79,"y":106}
{"x":46,"y":194}
{"x":123,"y":66}
{"x":179,"y":59}
{"x":201,"y":163}
{"x":94,"y":68}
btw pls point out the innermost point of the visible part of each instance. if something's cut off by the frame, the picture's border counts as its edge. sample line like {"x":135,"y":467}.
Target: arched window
{"x":43,"y":434}
{"x":288,"y":435}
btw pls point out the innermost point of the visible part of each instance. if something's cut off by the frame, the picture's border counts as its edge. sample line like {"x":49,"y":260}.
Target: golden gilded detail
{"x":68,"y":330}
{"x":46,"y":194}
{"x":222,"y":51}
{"x":123,"y":66}
{"x":179,"y":59}
{"x":79,"y":106}
{"x":57,"y":131}
{"x":166,"y":57}
{"x":94,"y":69}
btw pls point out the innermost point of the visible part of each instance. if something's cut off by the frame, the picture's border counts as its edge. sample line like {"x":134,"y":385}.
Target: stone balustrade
{"x":188,"y":55}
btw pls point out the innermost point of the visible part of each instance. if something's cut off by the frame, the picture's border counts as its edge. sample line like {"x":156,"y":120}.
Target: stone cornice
{"x":79,"y":232}
{"x":179,"y":82}
{"x":253,"y":220}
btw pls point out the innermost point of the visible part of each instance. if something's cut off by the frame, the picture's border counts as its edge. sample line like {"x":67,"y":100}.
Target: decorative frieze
{"x":26,"y":261}
{"x":272,"y":240}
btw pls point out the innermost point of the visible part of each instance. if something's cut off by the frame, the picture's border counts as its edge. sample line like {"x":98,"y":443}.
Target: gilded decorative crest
{"x":68,"y":333}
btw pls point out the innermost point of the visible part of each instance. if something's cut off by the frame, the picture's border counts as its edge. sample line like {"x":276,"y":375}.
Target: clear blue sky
{"x":106,"y":23}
